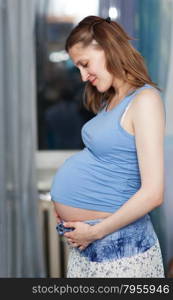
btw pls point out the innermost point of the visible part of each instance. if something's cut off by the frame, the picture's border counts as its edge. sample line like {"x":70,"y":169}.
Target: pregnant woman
{"x":105,"y":192}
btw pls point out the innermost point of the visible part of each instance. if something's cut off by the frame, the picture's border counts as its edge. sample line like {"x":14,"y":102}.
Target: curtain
{"x":21,"y":252}
{"x":168,"y":96}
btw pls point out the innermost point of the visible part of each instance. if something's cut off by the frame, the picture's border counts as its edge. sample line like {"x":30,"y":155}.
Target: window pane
{"x":60,"y":109}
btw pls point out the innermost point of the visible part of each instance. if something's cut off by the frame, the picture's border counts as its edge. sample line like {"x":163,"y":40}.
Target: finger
{"x":69,"y":224}
{"x":81,"y":248}
{"x":70,"y":241}
{"x":75,"y":245}
{"x":68,"y":235}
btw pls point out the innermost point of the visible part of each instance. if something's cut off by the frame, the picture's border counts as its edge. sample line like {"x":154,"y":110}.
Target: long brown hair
{"x":122,"y":59}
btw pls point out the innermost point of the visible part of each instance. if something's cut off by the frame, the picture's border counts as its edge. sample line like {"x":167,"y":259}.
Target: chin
{"x":102,"y":89}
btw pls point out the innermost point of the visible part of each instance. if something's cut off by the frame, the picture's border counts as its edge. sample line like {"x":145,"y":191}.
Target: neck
{"x":123,"y":90}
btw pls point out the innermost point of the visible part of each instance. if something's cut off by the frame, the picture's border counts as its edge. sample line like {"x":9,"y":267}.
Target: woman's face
{"x":91,"y":62}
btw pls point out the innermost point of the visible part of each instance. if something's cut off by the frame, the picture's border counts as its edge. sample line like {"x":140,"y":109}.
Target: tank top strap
{"x":128,"y":99}
{"x":125,"y":104}
{"x":145,"y":86}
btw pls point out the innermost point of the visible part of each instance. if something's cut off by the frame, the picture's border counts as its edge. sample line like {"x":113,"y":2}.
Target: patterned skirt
{"x":132,"y":251}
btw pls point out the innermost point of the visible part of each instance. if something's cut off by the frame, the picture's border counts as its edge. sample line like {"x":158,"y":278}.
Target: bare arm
{"x":149,"y":125}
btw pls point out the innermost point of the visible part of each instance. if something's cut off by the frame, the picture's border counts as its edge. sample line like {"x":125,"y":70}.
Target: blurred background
{"x":41,"y":115}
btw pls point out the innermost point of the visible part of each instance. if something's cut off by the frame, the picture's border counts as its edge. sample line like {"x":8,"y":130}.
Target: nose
{"x":84,"y":75}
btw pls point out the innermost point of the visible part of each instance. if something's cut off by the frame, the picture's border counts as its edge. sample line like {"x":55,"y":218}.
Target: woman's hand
{"x":81,"y":236}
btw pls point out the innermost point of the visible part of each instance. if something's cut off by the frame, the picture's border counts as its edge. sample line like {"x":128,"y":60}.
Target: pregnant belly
{"x":69,"y":213}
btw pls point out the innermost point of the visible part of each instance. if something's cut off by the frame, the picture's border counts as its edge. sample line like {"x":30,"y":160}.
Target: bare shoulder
{"x":147,"y":101}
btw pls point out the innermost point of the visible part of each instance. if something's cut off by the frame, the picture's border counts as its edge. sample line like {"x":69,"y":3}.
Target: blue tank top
{"x":105,"y":174}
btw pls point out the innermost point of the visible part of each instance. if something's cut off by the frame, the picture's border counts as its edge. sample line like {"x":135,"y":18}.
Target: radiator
{"x":55,"y":249}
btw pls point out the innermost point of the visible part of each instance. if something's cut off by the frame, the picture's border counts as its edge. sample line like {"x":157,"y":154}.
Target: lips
{"x":93,"y":81}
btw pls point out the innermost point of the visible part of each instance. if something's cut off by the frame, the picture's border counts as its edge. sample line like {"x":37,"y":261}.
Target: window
{"x":60,"y":109}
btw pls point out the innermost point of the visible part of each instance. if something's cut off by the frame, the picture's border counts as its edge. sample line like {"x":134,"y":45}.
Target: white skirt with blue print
{"x":133,"y":251}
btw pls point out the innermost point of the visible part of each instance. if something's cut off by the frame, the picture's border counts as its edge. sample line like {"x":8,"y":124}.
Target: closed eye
{"x":84,"y":66}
